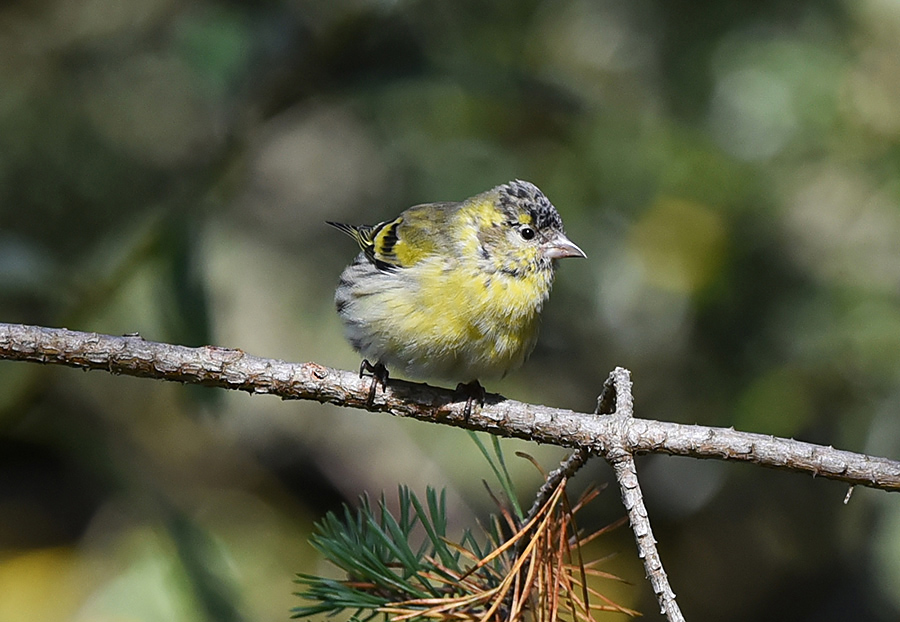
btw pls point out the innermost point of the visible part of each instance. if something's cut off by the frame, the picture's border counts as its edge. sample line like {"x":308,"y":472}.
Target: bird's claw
{"x":473,"y":392}
{"x":379,"y":376}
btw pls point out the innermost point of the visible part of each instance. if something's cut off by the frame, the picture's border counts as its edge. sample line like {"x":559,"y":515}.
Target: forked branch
{"x":611,"y":431}
{"x":234,"y":369}
{"x":616,"y":401}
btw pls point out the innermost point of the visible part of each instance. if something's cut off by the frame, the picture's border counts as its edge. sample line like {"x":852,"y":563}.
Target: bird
{"x":452,"y":290}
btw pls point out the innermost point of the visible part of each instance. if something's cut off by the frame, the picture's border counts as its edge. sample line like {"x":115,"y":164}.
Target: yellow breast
{"x":464,"y":324}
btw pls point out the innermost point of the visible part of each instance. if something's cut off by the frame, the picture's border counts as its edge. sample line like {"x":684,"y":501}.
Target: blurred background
{"x":731,"y":170}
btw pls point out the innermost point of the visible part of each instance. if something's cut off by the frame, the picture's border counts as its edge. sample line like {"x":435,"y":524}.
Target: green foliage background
{"x":730,"y":168}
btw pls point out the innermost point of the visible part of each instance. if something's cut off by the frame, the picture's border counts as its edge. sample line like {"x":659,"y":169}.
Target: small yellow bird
{"x":453,"y":290}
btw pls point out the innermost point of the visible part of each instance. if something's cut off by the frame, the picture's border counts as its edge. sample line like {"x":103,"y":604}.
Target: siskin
{"x":453,"y":290}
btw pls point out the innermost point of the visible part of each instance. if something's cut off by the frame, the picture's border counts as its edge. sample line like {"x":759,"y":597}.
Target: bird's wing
{"x":417,"y":233}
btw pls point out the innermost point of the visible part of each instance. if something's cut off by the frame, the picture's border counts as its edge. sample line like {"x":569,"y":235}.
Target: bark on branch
{"x":234,"y":369}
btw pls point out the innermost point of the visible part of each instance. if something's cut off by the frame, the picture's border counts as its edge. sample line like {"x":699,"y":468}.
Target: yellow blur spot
{"x":681,"y":245}
{"x":39,"y":585}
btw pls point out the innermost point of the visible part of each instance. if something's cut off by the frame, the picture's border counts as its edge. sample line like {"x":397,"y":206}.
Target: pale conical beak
{"x":560,"y":246}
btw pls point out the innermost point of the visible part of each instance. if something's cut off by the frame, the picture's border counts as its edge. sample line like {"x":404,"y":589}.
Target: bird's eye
{"x":526,"y":232}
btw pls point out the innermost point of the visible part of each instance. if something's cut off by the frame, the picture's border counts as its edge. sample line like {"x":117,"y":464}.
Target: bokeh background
{"x":730,"y":168}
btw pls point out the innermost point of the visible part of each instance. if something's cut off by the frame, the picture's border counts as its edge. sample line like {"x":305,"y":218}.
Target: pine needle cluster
{"x":520,"y":568}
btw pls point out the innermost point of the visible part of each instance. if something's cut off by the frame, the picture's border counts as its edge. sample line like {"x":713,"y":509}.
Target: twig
{"x":565,"y":470}
{"x":606,"y":404}
{"x":632,"y":498}
{"x":234,"y":369}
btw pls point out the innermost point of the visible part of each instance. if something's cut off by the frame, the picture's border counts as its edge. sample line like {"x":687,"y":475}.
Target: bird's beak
{"x":560,"y":246}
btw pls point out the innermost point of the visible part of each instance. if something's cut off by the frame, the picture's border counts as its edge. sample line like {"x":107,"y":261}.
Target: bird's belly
{"x":452,"y":324}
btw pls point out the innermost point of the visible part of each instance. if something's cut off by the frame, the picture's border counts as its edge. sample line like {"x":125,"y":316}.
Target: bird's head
{"x":526,"y":232}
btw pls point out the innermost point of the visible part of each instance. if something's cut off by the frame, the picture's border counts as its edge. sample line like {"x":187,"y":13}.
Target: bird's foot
{"x":379,"y":376}
{"x":473,"y":392}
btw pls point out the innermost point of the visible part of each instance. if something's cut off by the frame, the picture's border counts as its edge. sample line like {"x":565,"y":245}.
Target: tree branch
{"x":234,"y":369}
{"x":617,"y":395}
